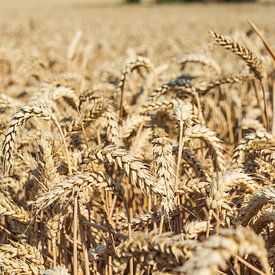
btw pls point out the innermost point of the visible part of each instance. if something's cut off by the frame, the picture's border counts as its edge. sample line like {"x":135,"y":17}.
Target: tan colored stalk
{"x":265,"y":42}
{"x":273,"y":116}
{"x":75,"y":228}
{"x":179,"y":153}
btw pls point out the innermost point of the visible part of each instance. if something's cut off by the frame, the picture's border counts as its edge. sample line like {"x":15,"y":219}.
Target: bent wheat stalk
{"x":130,"y":67}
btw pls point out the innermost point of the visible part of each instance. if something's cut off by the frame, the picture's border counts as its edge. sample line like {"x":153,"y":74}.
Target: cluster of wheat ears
{"x":152,"y":169}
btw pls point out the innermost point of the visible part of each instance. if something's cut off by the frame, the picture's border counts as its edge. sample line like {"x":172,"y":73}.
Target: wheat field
{"x":137,"y":139}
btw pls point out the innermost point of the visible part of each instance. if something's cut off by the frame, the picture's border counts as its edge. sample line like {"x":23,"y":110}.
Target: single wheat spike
{"x":255,"y":204}
{"x":208,"y":136}
{"x":242,"y":149}
{"x":252,"y":61}
{"x":193,"y":185}
{"x":263,"y":221}
{"x":212,"y":255}
{"x":133,"y":167}
{"x":184,"y":112}
{"x":29,"y":67}
{"x":159,"y":105}
{"x":139,"y":221}
{"x":95,"y":108}
{"x":193,"y":229}
{"x":262,"y":149}
{"x":45,"y":163}
{"x":18,"y":120}
{"x":66,"y":190}
{"x":70,"y":80}
{"x":130,"y":67}
{"x":204,"y":87}
{"x":177,"y":84}
{"x":219,"y":188}
{"x":112,"y":124}
{"x":164,"y":169}
{"x":201,"y":59}
{"x":67,"y":94}
{"x":164,"y":246}
{"x":252,"y":124}
{"x":20,"y":257}
{"x":10,"y":209}
{"x":87,"y":95}
{"x":7,"y":102}
{"x":98,"y":106}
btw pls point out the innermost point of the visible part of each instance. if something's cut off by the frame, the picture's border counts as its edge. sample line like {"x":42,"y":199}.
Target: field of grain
{"x":137,"y":139}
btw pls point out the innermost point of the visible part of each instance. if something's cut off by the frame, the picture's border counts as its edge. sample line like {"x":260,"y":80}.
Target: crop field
{"x":137,"y":139}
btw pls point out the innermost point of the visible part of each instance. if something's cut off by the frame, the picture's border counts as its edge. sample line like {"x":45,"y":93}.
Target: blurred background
{"x":126,"y":24}
{"x":12,"y":3}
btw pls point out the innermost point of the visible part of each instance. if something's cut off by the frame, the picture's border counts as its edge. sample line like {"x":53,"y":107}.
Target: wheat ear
{"x":18,"y":120}
{"x":210,"y":137}
{"x":201,"y":59}
{"x":203,"y":88}
{"x":164,"y":169}
{"x":130,"y":67}
{"x":133,"y":167}
{"x":215,"y":251}
{"x":243,"y":52}
{"x":251,"y":60}
{"x":255,"y":204}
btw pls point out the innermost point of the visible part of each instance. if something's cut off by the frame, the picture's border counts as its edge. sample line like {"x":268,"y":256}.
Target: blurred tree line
{"x":171,"y":1}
